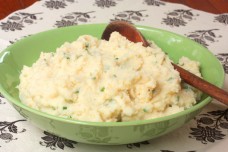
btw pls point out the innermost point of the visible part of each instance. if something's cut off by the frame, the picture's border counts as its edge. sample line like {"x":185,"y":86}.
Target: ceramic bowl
{"x":26,"y":52}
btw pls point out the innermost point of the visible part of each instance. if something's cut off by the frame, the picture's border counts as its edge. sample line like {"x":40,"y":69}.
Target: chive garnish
{"x":171,"y":78}
{"x":178,"y":98}
{"x":102,"y":89}
{"x":145,"y":110}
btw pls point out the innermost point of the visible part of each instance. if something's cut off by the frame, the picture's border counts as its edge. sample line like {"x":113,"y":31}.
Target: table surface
{"x":195,"y":136}
{"x":10,"y":6}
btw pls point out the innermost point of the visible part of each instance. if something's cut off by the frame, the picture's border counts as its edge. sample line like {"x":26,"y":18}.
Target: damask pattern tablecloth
{"x":207,"y":132}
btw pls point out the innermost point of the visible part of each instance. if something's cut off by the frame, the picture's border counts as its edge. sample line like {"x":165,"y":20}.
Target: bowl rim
{"x":196,"y":107}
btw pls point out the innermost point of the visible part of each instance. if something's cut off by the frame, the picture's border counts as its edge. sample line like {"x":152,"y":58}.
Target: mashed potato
{"x":103,"y":81}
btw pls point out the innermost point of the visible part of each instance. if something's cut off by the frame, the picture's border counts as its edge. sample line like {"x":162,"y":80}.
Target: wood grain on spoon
{"x":132,"y":34}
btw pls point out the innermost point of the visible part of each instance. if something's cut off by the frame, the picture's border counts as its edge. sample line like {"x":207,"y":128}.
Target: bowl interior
{"x":26,"y":52}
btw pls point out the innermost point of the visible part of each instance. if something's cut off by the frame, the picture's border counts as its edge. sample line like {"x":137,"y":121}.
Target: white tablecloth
{"x":207,"y":132}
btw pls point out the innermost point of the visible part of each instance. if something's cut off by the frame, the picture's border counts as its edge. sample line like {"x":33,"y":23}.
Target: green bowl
{"x":26,"y":52}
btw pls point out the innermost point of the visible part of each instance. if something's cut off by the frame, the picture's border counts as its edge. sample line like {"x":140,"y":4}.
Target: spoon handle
{"x":202,"y":85}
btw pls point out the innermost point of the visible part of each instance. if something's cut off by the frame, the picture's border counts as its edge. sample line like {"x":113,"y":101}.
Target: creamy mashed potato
{"x":103,"y":81}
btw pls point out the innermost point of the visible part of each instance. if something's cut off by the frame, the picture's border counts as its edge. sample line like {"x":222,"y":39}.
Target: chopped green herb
{"x":153,"y":91}
{"x":77,"y":57}
{"x":87,"y":48}
{"x":64,"y":108}
{"x":186,"y":87}
{"x":77,"y":91}
{"x":170,"y":78}
{"x":114,"y":75}
{"x":102,"y":89}
{"x":46,"y":62}
{"x":117,"y":58}
{"x":67,"y":56}
{"x":69,"y":100}
{"x":178,"y":98}
{"x":145,"y":110}
{"x":110,"y":100}
{"x":94,"y":78}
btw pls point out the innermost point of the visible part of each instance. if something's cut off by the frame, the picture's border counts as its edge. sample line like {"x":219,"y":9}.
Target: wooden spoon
{"x":132,"y":34}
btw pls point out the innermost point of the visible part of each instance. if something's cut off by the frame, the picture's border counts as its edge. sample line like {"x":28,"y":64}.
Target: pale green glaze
{"x":26,"y":51}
